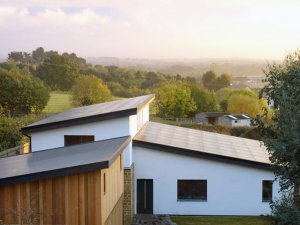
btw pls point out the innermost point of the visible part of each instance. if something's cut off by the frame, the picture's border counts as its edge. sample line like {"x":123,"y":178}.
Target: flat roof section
{"x":61,"y":161}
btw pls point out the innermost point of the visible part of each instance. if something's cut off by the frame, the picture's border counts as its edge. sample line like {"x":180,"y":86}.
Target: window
{"x":267,"y":189}
{"x":121,"y":162}
{"x":78,"y":139}
{"x":104,"y":183}
{"x":192,"y":189}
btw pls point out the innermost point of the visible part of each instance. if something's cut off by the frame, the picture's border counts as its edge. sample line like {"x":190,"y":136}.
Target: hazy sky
{"x":262,"y":29}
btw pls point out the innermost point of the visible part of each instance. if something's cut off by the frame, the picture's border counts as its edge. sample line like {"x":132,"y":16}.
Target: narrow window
{"x":267,"y":190}
{"x":104,"y":183}
{"x":192,"y":189}
{"x":78,"y":139}
{"x":121,"y":162}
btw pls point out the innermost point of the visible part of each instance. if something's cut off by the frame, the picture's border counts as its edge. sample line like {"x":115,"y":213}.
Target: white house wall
{"x":102,"y":130}
{"x":231,"y":189}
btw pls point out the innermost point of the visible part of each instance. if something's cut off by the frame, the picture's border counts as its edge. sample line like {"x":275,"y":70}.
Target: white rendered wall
{"x":231,"y":189}
{"x":102,"y":130}
{"x":239,"y":123}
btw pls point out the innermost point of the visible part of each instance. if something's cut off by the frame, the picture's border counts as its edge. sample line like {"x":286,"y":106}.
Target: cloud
{"x":20,"y":17}
{"x":152,"y":29}
{"x":5,"y":12}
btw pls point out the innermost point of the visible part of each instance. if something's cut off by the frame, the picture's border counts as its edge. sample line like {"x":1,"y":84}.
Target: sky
{"x":152,"y":29}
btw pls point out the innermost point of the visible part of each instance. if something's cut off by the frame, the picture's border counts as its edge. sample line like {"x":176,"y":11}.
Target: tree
{"x":21,"y":94}
{"x":206,"y":101}
{"x":222,"y":96}
{"x":174,"y":100}
{"x":59,"y":72}
{"x":281,"y":135}
{"x":17,"y":57}
{"x":208,"y":78}
{"x":212,"y":82}
{"x":38,"y":55}
{"x":243,"y":104}
{"x":89,"y":90}
{"x":245,"y":92}
{"x":221,"y":82}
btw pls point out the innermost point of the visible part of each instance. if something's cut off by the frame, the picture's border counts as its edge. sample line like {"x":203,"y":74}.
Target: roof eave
{"x":77,"y":121}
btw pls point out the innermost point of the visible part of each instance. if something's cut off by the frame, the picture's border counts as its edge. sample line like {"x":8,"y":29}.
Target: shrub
{"x":285,"y":211}
{"x":10,"y":135}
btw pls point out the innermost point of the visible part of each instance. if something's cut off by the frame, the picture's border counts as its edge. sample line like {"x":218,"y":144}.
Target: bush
{"x":88,"y":90}
{"x":10,"y":135}
{"x":238,"y":131}
{"x":285,"y":211}
{"x":21,"y":94}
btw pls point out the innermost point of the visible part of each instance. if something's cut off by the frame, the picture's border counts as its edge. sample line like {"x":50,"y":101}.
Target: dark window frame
{"x":78,"y":136}
{"x":194,"y":194}
{"x":267,"y":190}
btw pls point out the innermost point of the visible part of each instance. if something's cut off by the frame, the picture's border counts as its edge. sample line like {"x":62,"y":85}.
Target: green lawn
{"x":221,"y":220}
{"x":58,"y":102}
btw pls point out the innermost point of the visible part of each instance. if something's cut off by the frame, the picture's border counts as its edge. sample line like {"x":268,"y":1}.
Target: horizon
{"x":156,"y":30}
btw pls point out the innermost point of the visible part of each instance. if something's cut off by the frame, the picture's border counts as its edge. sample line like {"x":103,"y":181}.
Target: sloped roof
{"x":238,"y":116}
{"x":91,"y":113}
{"x":202,"y":143}
{"x":61,"y":161}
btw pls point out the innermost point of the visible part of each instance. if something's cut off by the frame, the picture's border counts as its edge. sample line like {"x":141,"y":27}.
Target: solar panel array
{"x":202,"y":141}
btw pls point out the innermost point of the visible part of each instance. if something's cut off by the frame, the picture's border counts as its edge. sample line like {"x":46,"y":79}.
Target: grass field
{"x":221,"y":220}
{"x":58,"y":102}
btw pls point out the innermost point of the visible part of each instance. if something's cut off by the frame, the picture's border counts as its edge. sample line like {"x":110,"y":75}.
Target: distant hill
{"x":184,"y":67}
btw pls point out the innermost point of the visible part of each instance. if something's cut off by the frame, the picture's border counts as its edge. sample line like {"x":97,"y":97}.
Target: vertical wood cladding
{"x":71,"y":200}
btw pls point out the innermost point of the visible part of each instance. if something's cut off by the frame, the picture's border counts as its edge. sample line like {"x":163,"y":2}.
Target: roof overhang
{"x":78,"y":121}
{"x":86,"y":119}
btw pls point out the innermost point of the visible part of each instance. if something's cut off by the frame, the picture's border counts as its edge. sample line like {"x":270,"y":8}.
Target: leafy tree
{"x":16,"y":57}
{"x":21,"y":94}
{"x":89,"y":90}
{"x":222,"y":96}
{"x":208,"y":78}
{"x":206,"y":100}
{"x":79,"y":61}
{"x":38,"y":55}
{"x":243,"y":104}
{"x":281,"y":135}
{"x":221,"y":82}
{"x":223,"y":93}
{"x":59,"y":72}
{"x":174,"y":100}
{"x":212,"y":82}
{"x":245,"y":92}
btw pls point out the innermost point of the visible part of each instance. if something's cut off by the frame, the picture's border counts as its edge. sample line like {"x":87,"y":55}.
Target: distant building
{"x":239,"y":86}
{"x":223,"y":118}
{"x":209,"y":117}
{"x":237,"y":120}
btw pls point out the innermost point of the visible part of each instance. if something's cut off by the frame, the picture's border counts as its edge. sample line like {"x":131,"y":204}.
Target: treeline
{"x":27,"y":79}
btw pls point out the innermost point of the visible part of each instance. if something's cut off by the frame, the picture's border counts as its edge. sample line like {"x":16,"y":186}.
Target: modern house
{"x":102,"y":163}
{"x":235,"y":120}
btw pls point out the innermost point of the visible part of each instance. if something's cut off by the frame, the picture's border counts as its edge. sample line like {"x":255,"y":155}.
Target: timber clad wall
{"x":72,"y":200}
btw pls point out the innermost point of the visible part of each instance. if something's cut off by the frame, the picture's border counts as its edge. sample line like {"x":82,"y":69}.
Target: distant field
{"x":58,"y":102}
{"x":221,"y":220}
